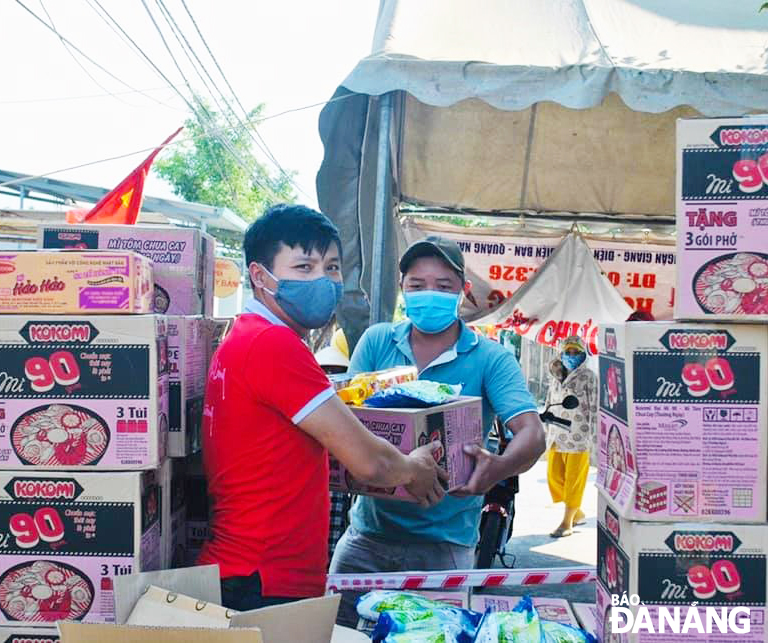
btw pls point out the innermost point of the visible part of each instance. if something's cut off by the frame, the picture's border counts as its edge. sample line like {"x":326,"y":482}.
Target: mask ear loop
{"x":276,"y":280}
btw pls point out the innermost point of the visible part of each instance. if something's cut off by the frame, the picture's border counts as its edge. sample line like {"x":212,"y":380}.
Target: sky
{"x":283,"y":53}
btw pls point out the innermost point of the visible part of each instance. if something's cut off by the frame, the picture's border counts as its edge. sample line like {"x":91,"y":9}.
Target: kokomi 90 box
{"x":682,"y":429}
{"x":83,"y":392}
{"x":187,"y":361}
{"x":67,"y":535}
{"x":453,"y":425}
{"x":722,"y":219}
{"x":183,"y":259}
{"x":61,"y":283}
{"x":707,"y":567}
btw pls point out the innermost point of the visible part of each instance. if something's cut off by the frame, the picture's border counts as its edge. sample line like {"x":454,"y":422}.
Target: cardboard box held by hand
{"x":453,"y":425}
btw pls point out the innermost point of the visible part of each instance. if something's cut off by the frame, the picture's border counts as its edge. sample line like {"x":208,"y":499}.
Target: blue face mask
{"x":572,"y":362}
{"x":310,"y":304}
{"x":432,"y":311}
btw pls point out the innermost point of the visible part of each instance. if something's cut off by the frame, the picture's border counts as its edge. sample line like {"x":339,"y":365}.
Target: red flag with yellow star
{"x":123,"y":204}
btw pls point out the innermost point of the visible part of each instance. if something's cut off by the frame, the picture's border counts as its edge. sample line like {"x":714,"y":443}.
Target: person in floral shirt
{"x":569,"y":448}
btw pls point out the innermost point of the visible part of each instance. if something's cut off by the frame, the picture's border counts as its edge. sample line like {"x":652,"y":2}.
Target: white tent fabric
{"x":533,"y":105}
{"x":568,"y":295}
{"x":655,"y":54}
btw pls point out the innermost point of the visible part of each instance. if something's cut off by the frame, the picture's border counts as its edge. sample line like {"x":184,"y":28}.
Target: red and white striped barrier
{"x":459,"y":579}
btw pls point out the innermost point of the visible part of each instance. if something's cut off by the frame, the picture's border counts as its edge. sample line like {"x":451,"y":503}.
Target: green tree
{"x":216,"y":165}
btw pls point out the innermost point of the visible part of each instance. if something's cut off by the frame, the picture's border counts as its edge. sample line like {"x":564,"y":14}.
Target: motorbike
{"x":498,"y":514}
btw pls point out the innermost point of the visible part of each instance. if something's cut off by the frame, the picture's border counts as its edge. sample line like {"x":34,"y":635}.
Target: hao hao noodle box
{"x":75,"y":283}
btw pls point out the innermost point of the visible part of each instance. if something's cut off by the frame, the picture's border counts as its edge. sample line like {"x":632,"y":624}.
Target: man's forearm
{"x":525,"y":448}
{"x":392,"y":468}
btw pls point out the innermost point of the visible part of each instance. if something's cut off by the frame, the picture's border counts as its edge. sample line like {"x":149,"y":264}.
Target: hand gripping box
{"x":183,"y":259}
{"x":187,"y":355}
{"x":683,"y":422}
{"x":83,"y":392}
{"x":453,"y":425}
{"x":677,"y":565}
{"x":722,"y":219}
{"x":61,"y":283}
{"x":67,"y":535}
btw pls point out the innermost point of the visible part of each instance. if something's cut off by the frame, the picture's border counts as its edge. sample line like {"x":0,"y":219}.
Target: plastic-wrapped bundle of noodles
{"x":418,"y":394}
{"x":562,"y":633}
{"x":401,"y":613}
{"x":521,"y":625}
{"x":429,"y":631}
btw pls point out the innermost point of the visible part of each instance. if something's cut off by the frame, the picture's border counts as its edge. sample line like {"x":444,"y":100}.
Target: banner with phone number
{"x":644,"y":274}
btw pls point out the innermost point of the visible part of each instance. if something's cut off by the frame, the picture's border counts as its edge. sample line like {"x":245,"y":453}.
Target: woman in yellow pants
{"x":570,"y":447}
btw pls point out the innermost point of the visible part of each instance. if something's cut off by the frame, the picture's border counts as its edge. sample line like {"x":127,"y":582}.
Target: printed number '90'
{"x":715,"y":374}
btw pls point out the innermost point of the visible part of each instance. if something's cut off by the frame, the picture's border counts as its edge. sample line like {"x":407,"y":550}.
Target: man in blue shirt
{"x":387,"y":535}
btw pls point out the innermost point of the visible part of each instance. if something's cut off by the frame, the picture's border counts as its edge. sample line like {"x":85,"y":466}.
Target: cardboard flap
{"x":159,"y":607}
{"x":201,"y":582}
{"x":98,"y":633}
{"x":309,"y":621}
{"x":348,"y":635}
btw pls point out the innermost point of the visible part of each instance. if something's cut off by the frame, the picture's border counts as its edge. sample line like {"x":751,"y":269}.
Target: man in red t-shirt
{"x":271,"y":417}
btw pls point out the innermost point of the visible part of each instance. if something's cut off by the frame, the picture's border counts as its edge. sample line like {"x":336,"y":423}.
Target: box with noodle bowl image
{"x":722,"y":219}
{"x":682,"y":421}
{"x":680,"y":566}
{"x":83,"y":392}
{"x":71,"y":283}
{"x":66,"y":536}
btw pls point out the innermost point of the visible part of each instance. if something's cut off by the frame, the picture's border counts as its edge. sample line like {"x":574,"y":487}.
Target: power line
{"x":81,"y":165}
{"x":179,"y":35}
{"x":55,"y":99}
{"x":261,"y":119}
{"x":137,"y":49}
{"x":144,"y":150}
{"x":78,"y":50}
{"x":79,"y":64}
{"x":204,"y":109}
{"x":126,"y":37}
{"x":266,"y":149}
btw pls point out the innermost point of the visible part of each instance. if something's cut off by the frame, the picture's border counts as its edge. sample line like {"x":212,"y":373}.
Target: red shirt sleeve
{"x":285,"y":375}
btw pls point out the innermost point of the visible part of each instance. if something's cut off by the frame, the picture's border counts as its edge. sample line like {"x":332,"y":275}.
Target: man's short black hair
{"x":293,"y":225}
